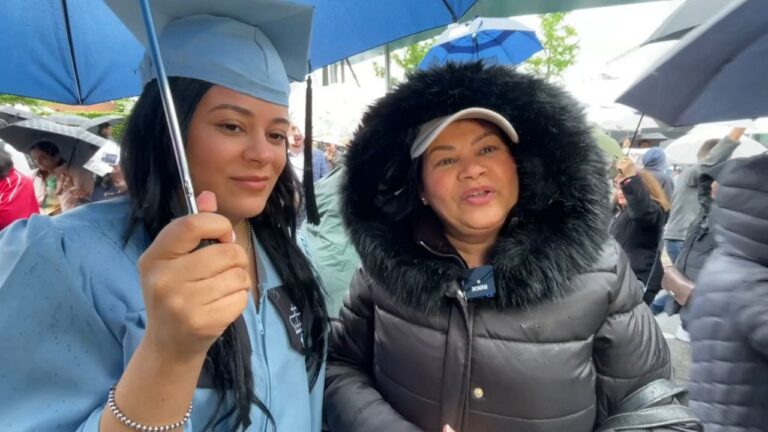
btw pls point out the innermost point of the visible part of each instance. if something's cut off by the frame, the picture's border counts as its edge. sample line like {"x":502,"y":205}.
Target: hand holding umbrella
{"x":191,"y":297}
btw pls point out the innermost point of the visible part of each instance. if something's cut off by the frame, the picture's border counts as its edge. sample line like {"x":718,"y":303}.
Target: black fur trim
{"x":564,"y":188}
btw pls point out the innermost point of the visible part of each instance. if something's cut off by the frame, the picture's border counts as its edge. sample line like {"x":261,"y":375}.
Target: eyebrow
{"x":447,"y":147}
{"x":247,"y":112}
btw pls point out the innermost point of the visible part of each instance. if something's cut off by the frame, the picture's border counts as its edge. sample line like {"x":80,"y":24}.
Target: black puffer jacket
{"x":729,"y":313}
{"x":565,"y":338}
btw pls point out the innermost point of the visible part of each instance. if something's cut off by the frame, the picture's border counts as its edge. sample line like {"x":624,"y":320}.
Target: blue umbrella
{"x":729,"y":57}
{"x":493,"y":40}
{"x":79,"y":52}
{"x":69,"y":51}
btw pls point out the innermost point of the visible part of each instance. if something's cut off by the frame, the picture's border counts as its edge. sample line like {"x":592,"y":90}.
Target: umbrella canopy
{"x":653,"y":136}
{"x":493,"y":40}
{"x":683,"y":150}
{"x":79,"y":52}
{"x":618,"y":118}
{"x":69,"y":51}
{"x":685,"y":18}
{"x":76,"y":145}
{"x":12,"y":115}
{"x":93,"y":124}
{"x":729,"y":55}
{"x":512,"y":8}
{"x":68,"y":119}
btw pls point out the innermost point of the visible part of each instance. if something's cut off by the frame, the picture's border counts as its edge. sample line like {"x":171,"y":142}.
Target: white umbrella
{"x":615,"y":118}
{"x":683,"y":150}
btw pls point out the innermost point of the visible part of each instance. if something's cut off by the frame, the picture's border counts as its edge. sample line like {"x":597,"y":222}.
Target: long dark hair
{"x":153,"y":183}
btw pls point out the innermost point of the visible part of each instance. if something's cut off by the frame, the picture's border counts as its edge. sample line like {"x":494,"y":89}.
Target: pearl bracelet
{"x":138,"y":426}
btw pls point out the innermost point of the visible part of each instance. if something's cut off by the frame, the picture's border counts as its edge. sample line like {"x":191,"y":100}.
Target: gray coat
{"x":729,"y":313}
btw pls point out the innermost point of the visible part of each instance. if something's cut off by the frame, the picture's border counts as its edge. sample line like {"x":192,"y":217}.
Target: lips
{"x":255,"y":183}
{"x":478,"y":195}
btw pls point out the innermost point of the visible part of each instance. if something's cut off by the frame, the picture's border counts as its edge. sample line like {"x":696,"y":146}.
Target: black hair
{"x":50,"y":149}
{"x":6,"y":163}
{"x":154,"y":186}
{"x":46,"y":147}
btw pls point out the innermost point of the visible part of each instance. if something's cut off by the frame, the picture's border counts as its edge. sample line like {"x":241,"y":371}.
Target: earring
{"x":424,"y":200}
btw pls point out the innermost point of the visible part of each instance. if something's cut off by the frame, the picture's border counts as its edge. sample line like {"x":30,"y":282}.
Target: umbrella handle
{"x":177,"y":143}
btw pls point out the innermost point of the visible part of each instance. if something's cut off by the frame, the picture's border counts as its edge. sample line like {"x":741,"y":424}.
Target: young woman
{"x":115,"y":319}
{"x":638,"y":224}
{"x":491,"y":297}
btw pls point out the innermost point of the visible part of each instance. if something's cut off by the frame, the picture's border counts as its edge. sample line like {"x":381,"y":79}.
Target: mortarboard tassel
{"x":313,"y":216}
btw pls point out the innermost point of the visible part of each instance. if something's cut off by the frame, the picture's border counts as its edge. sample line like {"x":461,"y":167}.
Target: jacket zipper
{"x":458,"y":294}
{"x":466,"y":313}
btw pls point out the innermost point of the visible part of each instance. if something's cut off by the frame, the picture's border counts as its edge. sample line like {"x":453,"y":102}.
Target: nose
{"x":260,"y":150}
{"x":471,"y":169}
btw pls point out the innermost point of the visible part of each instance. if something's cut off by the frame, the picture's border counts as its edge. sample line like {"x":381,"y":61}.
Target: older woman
{"x":490,"y":297}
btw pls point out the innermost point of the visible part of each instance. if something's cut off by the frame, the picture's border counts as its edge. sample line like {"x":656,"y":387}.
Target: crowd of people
{"x":476,"y":267}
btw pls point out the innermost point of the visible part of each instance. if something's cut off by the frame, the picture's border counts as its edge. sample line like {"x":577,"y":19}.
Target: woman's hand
{"x":626,"y":168}
{"x":191,"y":296}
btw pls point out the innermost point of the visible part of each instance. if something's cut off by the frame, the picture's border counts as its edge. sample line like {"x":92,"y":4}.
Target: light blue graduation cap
{"x":254,"y":47}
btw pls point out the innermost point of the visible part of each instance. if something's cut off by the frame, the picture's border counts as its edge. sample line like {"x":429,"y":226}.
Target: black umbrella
{"x":68,"y":119}
{"x":715,"y":73}
{"x":685,"y":18}
{"x":93,"y":124}
{"x":76,"y":145}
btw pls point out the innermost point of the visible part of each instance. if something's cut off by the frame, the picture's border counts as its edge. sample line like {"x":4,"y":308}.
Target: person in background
{"x":729,"y":311}
{"x":296,"y":156}
{"x":332,"y":153}
{"x":110,"y":186}
{"x":46,"y":156}
{"x":333,"y":254}
{"x":73,"y":184}
{"x":655,"y":163}
{"x":17,"y":193}
{"x":685,"y":198}
{"x":642,"y":209}
{"x":105,"y":131}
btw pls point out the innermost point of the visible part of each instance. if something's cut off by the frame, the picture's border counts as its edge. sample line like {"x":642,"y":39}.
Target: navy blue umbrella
{"x":493,"y":40}
{"x":716,"y":73}
{"x":79,"y":52}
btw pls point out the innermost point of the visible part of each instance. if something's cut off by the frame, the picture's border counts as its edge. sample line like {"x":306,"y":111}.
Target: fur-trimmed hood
{"x":561,"y":220}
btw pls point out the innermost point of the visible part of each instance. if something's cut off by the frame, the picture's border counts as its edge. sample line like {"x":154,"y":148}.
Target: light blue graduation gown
{"x":72,"y":314}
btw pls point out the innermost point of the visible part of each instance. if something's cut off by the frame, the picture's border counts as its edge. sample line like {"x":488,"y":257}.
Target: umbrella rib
{"x":68,"y":26}
{"x":450,"y":10}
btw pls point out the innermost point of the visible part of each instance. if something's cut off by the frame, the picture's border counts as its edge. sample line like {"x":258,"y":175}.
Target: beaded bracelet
{"x":138,"y":426}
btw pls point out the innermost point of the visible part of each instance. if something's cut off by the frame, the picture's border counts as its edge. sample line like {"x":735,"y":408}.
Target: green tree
{"x":561,"y":45}
{"x":409,"y":59}
{"x":6,"y":99}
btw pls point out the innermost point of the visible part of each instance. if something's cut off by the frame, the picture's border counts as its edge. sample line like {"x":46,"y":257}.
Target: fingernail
{"x":234,"y":237}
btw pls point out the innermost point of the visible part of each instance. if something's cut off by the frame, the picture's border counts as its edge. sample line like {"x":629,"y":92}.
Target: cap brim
{"x":432,"y":129}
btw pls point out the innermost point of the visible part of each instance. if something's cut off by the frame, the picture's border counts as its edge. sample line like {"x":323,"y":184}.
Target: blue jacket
{"x":72,"y":314}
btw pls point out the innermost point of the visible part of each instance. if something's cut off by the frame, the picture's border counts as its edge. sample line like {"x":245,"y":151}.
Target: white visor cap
{"x":431,"y":129}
